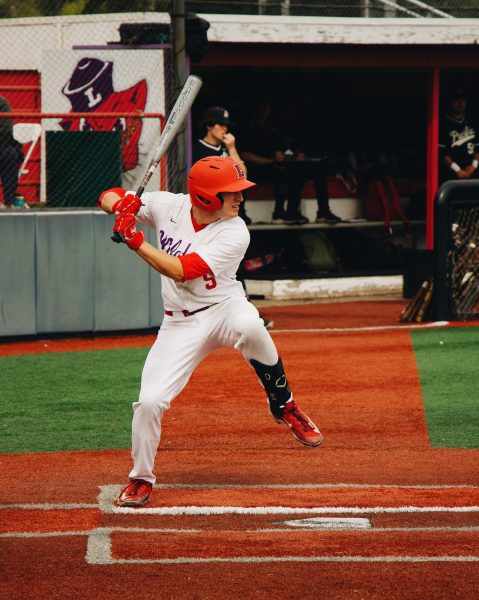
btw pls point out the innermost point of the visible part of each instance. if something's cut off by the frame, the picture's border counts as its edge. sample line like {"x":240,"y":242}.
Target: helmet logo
{"x":239,"y":170}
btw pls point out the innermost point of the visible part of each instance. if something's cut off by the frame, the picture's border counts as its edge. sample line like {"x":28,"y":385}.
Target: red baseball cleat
{"x":303,"y":429}
{"x":136,"y":493}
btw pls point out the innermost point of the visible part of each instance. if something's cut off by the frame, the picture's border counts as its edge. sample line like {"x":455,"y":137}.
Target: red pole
{"x":432,"y":154}
{"x":25,"y":114}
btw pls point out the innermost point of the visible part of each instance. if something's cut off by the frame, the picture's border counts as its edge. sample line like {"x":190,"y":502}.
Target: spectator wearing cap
{"x":458,"y":141}
{"x":217,"y":140}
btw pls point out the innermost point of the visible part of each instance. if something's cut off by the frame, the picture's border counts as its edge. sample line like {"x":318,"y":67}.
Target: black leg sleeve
{"x":275,"y":384}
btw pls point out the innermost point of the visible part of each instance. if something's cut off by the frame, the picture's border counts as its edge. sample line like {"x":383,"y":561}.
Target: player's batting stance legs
{"x":180,"y":346}
{"x":201,"y":244}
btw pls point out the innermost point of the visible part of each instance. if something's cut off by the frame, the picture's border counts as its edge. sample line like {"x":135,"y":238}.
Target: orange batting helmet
{"x":211,"y":176}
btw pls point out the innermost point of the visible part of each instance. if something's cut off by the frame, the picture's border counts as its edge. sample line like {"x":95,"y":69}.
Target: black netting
{"x":317,"y":8}
{"x":464,"y":263}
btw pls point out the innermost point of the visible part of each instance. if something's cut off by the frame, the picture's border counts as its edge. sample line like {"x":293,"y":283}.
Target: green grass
{"x":448,"y":363}
{"x":82,"y":400}
{"x":68,"y":401}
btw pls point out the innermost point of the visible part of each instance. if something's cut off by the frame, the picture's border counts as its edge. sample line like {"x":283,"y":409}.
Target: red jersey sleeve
{"x":193,"y":266}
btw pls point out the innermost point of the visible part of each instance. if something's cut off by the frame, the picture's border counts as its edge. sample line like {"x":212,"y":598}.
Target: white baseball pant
{"x":182,"y":343}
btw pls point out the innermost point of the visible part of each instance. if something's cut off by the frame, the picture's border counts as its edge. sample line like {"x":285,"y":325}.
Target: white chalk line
{"x":99,"y":540}
{"x":45,"y":534}
{"x":307,"y":486}
{"x":284,"y":559}
{"x":47,"y":506}
{"x":99,"y":553}
{"x":288,"y":510}
{"x":87,"y":532}
{"x":365,"y":328}
{"x":289,"y":530}
{"x":109,"y":493}
{"x":373,"y":530}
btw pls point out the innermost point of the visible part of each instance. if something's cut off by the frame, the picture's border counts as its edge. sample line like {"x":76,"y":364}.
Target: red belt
{"x":187,"y":313}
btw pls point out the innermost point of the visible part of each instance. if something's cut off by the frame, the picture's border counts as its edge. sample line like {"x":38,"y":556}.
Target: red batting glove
{"x":129,"y":203}
{"x":125,"y":231}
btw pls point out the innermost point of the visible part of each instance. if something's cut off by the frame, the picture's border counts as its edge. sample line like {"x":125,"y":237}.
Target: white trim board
{"x":339,"y":287}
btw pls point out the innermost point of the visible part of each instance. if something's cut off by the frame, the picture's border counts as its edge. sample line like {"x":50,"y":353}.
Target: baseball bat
{"x":175,"y":119}
{"x":423,"y":309}
{"x":410,"y":311}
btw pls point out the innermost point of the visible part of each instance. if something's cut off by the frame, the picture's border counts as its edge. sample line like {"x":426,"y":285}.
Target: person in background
{"x":311,"y":150}
{"x":216,"y":140}
{"x":268,"y":159}
{"x":10,"y":157}
{"x":458,"y":141}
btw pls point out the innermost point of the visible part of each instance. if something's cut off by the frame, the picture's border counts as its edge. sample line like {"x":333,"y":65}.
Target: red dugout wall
{"x":22,"y":90}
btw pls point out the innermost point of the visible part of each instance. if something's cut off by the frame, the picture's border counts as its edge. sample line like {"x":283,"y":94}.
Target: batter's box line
{"x":109,"y":493}
{"x":99,"y":553}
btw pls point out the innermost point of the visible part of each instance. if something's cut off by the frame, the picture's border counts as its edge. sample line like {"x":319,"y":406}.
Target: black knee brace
{"x":275,"y":383}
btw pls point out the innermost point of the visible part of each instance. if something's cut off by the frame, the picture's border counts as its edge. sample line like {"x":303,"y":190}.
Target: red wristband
{"x":136,"y":241}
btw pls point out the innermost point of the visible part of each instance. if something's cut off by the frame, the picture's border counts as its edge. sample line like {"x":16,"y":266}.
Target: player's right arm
{"x":126,"y":205}
{"x":116,"y":200}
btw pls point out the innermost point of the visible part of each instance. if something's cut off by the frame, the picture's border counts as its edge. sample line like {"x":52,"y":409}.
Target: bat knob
{"x":116,"y":237}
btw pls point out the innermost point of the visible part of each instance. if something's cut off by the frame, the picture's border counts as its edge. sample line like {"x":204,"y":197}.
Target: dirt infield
{"x":241,"y":510}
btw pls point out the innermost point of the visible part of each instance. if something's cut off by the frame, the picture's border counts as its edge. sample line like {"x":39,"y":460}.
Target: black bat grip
{"x":117,"y":237}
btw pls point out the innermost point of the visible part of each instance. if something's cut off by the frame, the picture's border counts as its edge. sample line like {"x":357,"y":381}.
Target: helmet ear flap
{"x":205,"y":201}
{"x":208,"y":202}
{"x":201,"y":198}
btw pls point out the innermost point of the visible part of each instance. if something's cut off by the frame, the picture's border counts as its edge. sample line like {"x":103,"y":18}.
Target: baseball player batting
{"x":201,"y":242}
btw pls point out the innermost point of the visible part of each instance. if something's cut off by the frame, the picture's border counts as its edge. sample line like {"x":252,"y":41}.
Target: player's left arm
{"x":164,"y":263}
{"x":226,"y":250}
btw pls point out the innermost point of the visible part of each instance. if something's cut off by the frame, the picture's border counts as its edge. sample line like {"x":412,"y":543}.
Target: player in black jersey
{"x":217,"y":140}
{"x":458,"y":141}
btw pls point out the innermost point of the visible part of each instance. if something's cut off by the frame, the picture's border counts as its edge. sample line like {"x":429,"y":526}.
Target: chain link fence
{"x":313,"y":8}
{"x":342,"y":8}
{"x":85,"y":114}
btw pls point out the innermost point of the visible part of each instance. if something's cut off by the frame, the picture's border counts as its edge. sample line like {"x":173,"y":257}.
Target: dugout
{"x":386,"y":75}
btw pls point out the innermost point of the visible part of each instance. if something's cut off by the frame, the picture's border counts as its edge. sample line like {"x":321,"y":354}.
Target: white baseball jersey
{"x":222,"y":245}
{"x":183,"y":341}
